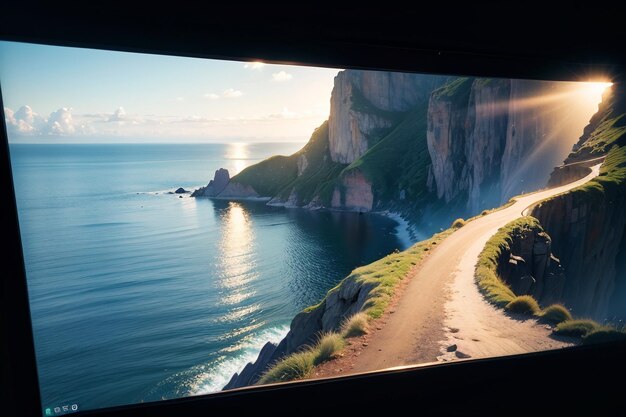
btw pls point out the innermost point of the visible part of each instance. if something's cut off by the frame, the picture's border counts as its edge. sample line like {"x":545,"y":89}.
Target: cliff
{"x":587,"y":225}
{"x":341,"y":302}
{"x":368,"y":289}
{"x":528,"y":265}
{"x":351,"y":162}
{"x":365,"y":104}
{"x":215,"y":186}
{"x":431,"y":148}
{"x":492,"y":139}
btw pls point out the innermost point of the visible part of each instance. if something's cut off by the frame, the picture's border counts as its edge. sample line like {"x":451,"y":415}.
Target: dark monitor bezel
{"x":504,"y":377}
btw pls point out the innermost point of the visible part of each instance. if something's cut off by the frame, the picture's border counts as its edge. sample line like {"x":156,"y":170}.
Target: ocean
{"x":138,"y":295}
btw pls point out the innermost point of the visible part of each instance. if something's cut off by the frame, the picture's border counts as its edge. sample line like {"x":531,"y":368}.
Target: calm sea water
{"x":139,"y":295}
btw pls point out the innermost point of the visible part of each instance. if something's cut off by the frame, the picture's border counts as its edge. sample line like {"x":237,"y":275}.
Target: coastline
{"x":257,"y":199}
{"x":403,"y":229}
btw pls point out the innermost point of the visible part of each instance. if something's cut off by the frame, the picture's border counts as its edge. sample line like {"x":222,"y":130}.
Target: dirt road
{"x":441,"y":305}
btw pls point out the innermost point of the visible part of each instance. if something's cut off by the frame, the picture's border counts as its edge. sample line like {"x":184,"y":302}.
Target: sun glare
{"x":593,"y":91}
{"x":238,"y":152}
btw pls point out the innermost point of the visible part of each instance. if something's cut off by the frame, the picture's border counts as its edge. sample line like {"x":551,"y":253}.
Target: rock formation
{"x":530,"y":267}
{"x":365,"y":102}
{"x":215,"y":186}
{"x":492,"y":139}
{"x":588,"y":224}
{"x":342,"y":302}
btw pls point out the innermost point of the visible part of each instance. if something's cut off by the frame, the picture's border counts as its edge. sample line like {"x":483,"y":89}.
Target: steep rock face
{"x":486,"y":123}
{"x":587,"y":234}
{"x":353,"y":193}
{"x":445,"y":135}
{"x":215,"y":186}
{"x":340,"y":303}
{"x":365,"y":102}
{"x":492,"y":139}
{"x":588,"y":224}
{"x":529,"y":132}
{"x":530,"y":267}
{"x":571,"y":172}
{"x":467,"y":125}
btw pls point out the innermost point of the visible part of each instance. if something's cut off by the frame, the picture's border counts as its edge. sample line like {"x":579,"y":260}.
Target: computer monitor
{"x":191,"y":226}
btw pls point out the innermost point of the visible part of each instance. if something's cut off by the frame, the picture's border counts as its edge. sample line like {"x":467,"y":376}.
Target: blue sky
{"x":59,"y":94}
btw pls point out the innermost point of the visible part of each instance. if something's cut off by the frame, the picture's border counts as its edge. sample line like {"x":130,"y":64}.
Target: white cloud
{"x":119,"y":115}
{"x":281,"y":76}
{"x":232,"y":93}
{"x":26,"y":114}
{"x":60,"y":122}
{"x":228,"y":93}
{"x":285,"y":114}
{"x":180,"y":98}
{"x":254,"y":65}
{"x":23,"y":121}
{"x":64,"y":122}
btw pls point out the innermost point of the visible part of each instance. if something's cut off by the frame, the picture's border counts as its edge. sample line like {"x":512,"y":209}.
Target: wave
{"x":213,"y":376}
{"x":215,"y":379}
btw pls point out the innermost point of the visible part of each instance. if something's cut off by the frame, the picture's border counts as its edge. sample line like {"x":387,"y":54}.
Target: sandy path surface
{"x":441,"y":306}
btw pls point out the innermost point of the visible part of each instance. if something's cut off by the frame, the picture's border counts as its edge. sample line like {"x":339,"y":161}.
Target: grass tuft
{"x":295,"y":366}
{"x":458,"y":223}
{"x":523,"y":304}
{"x":604,"y":335}
{"x":355,"y":326}
{"x":576,"y":327}
{"x":300,"y":364}
{"x":556,"y":313}
{"x":328,"y":345}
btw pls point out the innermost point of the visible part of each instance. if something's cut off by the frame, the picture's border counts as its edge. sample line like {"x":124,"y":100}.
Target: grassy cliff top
{"x":456,"y":91}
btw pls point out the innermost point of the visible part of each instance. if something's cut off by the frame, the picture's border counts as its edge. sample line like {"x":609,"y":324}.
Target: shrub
{"x":492,"y":286}
{"x":327,"y":347}
{"x":355,"y":326}
{"x":295,"y":366}
{"x":604,"y":335}
{"x":458,"y":223}
{"x":486,"y":274}
{"x":556,"y":313}
{"x":576,"y":327}
{"x":524,"y":304}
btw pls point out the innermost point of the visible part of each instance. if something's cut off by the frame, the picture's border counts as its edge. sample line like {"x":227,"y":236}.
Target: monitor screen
{"x":193,"y":225}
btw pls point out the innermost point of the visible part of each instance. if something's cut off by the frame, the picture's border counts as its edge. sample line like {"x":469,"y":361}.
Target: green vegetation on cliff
{"x":383,"y":275}
{"x":498,"y":292}
{"x":404,"y":146}
{"x":270,"y":176}
{"x":491,"y":285}
{"x":319,"y":178}
{"x":278,"y":175}
{"x":396,"y":163}
{"x":608,"y":137}
{"x":363,"y":105}
{"x":381,"y":278}
{"x":458,"y":90}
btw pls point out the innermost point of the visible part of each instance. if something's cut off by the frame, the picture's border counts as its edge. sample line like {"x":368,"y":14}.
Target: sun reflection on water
{"x":237,"y":263}
{"x":239,"y":154}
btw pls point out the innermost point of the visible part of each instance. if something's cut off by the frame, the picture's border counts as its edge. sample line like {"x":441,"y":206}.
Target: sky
{"x":57,"y":94}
